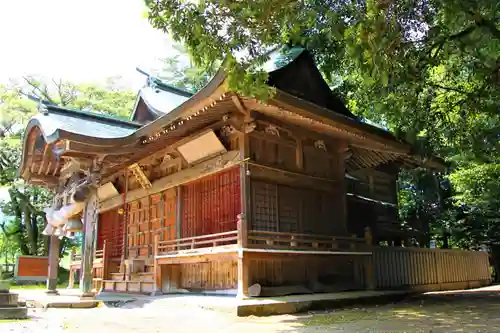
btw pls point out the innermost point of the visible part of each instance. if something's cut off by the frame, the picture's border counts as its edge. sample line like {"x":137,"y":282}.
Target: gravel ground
{"x":477,"y":311}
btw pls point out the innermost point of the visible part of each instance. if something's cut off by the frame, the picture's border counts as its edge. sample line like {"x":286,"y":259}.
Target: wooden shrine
{"x":216,"y":192}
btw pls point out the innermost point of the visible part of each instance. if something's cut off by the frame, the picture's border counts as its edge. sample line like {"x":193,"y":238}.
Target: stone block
{"x":8,"y":299}
{"x":13,"y":312}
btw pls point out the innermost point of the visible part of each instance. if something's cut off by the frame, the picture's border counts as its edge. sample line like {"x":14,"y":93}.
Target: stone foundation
{"x":9,"y":308}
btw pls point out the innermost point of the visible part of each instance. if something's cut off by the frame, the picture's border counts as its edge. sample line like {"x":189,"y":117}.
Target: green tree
{"x":427,"y":70}
{"x":179,"y":72}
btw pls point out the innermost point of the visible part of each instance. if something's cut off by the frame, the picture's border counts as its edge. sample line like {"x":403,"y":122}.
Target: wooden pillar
{"x":178,"y":213}
{"x":243,"y":271}
{"x":71,"y":280}
{"x":91,"y":216}
{"x":105,"y":256}
{"x":156,"y":268}
{"x":370,"y":282}
{"x":54,"y":248}
{"x":242,"y":224}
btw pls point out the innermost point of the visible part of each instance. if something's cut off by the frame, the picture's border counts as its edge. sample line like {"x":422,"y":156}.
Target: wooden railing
{"x":302,"y":242}
{"x":244,"y":238}
{"x":99,"y":267}
{"x":99,"y":254}
{"x":190,"y":243}
{"x":75,"y":258}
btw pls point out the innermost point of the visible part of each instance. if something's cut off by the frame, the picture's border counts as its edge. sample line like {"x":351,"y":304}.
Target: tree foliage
{"x":177,"y":71}
{"x":427,"y":70}
{"x":406,"y":63}
{"x":18,"y":102}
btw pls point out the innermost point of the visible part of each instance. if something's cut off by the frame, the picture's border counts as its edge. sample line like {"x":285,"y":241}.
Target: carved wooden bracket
{"x":227,"y":130}
{"x":140,"y":176}
{"x":273,"y":130}
{"x":249,"y":127}
{"x":320,"y":144}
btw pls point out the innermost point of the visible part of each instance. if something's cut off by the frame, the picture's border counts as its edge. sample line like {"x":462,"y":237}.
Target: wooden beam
{"x":89,"y":149}
{"x":299,"y":155}
{"x":32,"y":156}
{"x":333,"y":144}
{"x":216,"y":164}
{"x":241,"y":108}
{"x":350,"y":126}
{"x":357,"y":133}
{"x":231,"y":254}
{"x":259,"y":171}
{"x":45,"y":154}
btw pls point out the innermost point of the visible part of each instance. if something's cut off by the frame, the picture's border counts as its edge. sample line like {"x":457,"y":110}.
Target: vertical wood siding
{"x":169,"y":213}
{"x":215,"y":275}
{"x":212,"y":204}
{"x":110,"y":228}
{"x":307,"y":269}
{"x":408,"y":267}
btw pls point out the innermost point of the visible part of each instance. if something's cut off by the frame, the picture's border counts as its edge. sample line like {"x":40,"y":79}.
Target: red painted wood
{"x":211,"y":205}
{"x":110,"y":228}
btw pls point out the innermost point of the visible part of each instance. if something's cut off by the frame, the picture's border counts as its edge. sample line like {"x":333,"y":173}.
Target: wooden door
{"x":110,"y":229}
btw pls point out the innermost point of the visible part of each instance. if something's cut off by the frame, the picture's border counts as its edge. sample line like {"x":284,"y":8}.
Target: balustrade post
{"x":104,"y":261}
{"x":156,"y":267}
{"x":368,"y":237}
{"x":370,"y":283}
{"x":353,"y":242}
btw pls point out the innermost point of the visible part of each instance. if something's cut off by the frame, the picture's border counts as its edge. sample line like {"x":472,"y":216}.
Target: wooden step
{"x":143,"y":287}
{"x":143,"y":277}
{"x":117,"y":276}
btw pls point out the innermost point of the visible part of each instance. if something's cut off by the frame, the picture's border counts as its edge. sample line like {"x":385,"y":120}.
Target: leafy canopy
{"x":424,"y":67}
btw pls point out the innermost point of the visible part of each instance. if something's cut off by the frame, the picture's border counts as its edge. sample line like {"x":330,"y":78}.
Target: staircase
{"x":134,"y":276}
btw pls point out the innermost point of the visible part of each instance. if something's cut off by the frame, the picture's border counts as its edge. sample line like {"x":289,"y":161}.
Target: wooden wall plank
{"x":212,"y":204}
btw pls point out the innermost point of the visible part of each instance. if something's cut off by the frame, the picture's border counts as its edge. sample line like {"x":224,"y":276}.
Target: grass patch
{"x":33,"y":286}
{"x":6,"y":321}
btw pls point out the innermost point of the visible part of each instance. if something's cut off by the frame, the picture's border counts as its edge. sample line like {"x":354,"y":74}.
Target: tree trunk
{"x":33,"y":244}
{"x":495,"y":262}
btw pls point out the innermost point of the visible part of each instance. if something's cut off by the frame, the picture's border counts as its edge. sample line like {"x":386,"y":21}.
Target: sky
{"x":78,"y":40}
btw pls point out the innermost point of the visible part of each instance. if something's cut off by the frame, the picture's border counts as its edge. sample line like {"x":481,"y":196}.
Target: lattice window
{"x":264,"y":206}
{"x":289,"y":209}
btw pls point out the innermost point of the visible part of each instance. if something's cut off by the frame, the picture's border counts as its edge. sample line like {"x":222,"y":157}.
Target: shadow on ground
{"x":464,"y":311}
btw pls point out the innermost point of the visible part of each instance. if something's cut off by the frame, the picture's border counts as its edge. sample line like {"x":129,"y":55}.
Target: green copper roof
{"x":56,"y":118}
{"x":281,"y":57}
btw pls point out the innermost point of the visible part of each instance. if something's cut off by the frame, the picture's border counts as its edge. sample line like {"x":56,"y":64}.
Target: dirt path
{"x":477,"y":311}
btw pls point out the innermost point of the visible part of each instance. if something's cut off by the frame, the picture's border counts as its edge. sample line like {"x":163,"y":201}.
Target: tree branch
{"x":44,"y":93}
